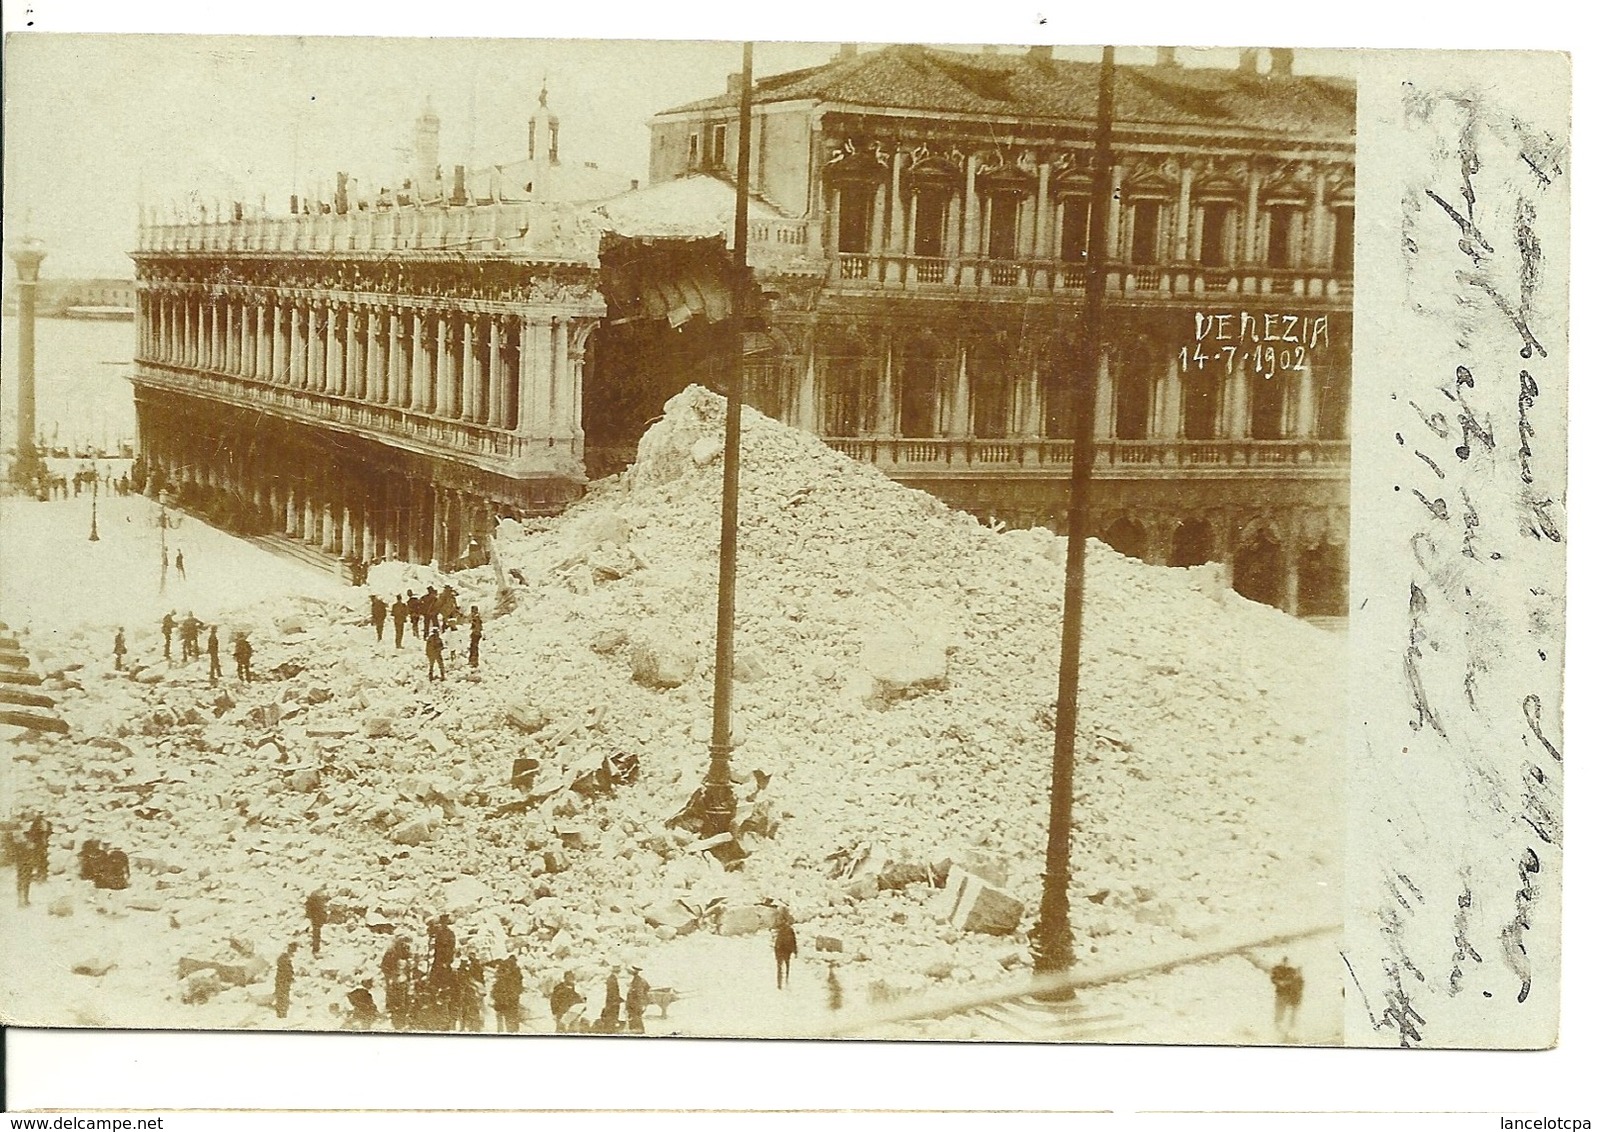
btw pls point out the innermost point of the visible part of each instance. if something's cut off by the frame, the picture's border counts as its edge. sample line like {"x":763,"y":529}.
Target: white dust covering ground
{"x":1208,"y":792}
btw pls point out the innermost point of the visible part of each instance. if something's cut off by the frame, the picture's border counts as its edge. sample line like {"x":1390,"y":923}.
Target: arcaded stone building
{"x":374,"y":377}
{"x":923,"y":245}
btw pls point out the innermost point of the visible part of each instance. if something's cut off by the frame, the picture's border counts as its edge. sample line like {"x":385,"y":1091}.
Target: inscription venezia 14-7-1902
{"x":1261,"y":344}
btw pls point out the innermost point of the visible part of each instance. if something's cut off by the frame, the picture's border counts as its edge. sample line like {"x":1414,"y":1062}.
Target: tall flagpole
{"x":1051,"y":939}
{"x":718,"y":792}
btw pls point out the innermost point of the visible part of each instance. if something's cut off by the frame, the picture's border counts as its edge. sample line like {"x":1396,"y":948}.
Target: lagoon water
{"x":82,"y":394}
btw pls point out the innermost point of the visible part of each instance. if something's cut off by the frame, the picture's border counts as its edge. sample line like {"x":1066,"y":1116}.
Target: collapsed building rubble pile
{"x":895,"y":688}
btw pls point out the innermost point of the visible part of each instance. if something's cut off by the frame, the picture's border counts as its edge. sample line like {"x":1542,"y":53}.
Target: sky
{"x":97,"y":124}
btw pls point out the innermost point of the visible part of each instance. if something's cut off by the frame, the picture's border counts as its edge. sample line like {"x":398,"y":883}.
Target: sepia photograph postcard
{"x":1127,"y":605}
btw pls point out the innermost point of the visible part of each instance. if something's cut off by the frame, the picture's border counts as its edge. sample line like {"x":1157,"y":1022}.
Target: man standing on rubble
{"x":567,"y":1004}
{"x":396,"y":969}
{"x":211,"y":655}
{"x":784,"y":945}
{"x":191,"y":637}
{"x":284,"y":979}
{"x":317,"y":914}
{"x":639,"y":998}
{"x":507,"y":995}
{"x":431,"y":608}
{"x":414,"y":611}
{"x":436,"y":654}
{"x":398,"y":612}
{"x":168,"y":624}
{"x":475,"y":634}
{"x":119,"y":649}
{"x":612,"y":1010}
{"x":379,"y":612}
{"x":242,"y":653}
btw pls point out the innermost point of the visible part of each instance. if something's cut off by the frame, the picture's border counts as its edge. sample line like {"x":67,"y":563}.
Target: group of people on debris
{"x":429,"y":615}
{"x":446,"y":989}
{"x":29,"y":851}
{"x":188,"y":632}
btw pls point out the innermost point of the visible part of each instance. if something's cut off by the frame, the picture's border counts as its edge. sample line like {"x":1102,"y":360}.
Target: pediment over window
{"x":850,"y":161}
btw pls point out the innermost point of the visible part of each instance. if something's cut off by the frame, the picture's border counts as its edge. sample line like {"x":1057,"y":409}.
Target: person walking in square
{"x":178,"y":564}
{"x":398,"y":613}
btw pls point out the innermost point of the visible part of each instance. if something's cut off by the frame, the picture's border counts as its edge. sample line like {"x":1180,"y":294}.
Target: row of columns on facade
{"x":342,"y":512}
{"x":1043,"y":215}
{"x":519,"y":372}
{"x":1026,"y":406}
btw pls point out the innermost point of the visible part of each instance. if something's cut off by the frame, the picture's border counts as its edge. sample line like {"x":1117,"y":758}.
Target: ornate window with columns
{"x":922,"y":368}
{"x":1134,"y":390}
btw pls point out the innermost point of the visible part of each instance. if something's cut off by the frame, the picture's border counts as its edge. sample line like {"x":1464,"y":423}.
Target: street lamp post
{"x":1051,"y":939}
{"x":717,"y":811}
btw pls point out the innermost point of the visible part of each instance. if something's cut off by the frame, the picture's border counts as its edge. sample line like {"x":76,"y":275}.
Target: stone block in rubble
{"x":903,"y":662}
{"x":747,"y":919}
{"x":526,"y":717}
{"x":829,"y":943}
{"x":660,"y":663}
{"x":201,"y":986}
{"x":556,"y":861}
{"x":266,"y":715}
{"x":465,"y":893}
{"x":93,"y":965}
{"x":749,"y":668}
{"x":673,"y":916}
{"x":304,"y":779}
{"x":971,"y":904}
{"x":342,"y":729}
{"x":237,"y":970}
{"x":706,"y":450}
{"x":415,"y":830}
{"x":608,"y":641}
{"x":378,"y":726}
{"x":863,"y":887}
{"x":61,"y":906}
{"x":611,"y":563}
{"x":987,"y":865}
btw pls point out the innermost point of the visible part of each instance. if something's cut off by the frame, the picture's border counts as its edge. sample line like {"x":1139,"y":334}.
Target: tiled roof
{"x":1028,"y":87}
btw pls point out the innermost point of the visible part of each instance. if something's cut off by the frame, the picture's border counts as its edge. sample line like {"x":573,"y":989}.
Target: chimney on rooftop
{"x":847,"y":51}
{"x":1168,"y":56}
{"x":1040,"y":52}
{"x":1249,"y":64}
{"x":1279,"y":62}
{"x":342,"y":193}
{"x":459,"y":185}
{"x":990,"y":49}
